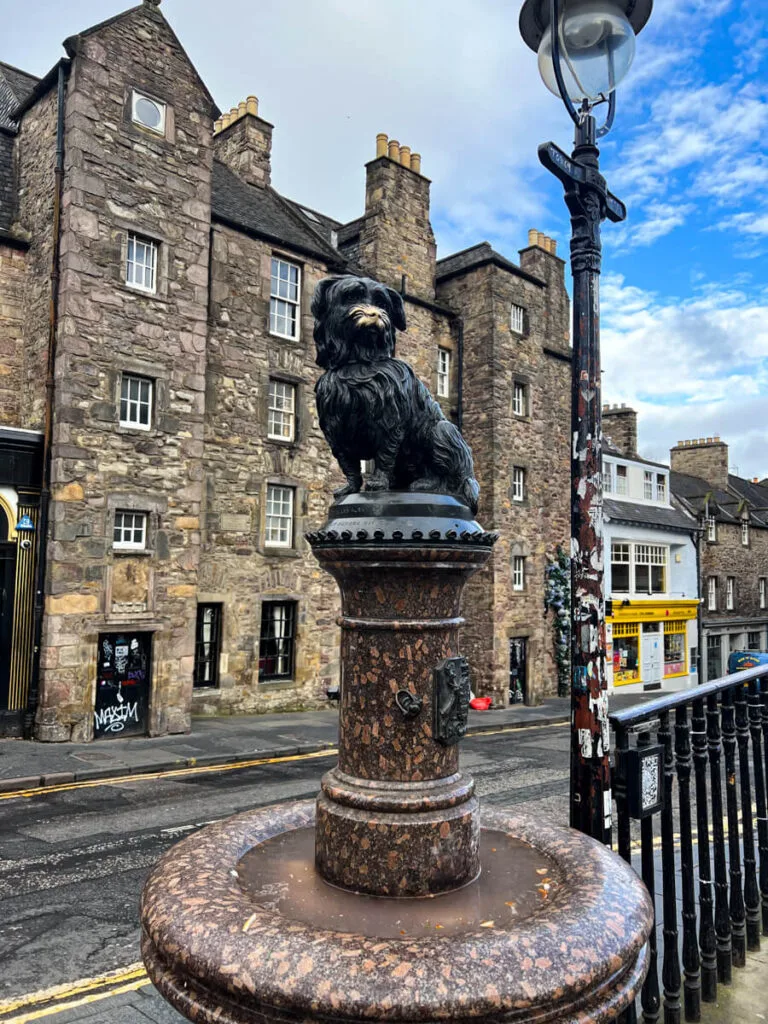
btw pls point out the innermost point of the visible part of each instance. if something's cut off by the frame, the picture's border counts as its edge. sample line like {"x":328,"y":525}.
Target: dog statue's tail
{"x":471,"y":493}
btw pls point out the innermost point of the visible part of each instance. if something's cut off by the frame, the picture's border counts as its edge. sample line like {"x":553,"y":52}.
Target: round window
{"x":149,"y":113}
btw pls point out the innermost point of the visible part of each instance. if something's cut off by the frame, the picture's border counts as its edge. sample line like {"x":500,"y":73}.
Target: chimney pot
{"x":217,"y":125}
{"x":405,"y":156}
{"x":224,"y":120}
{"x":394,"y":150}
{"x":717,"y":437}
{"x":416,"y":162}
{"x":233,"y":114}
{"x":241,"y":108}
{"x":381,"y":145}
{"x":252,"y":106}
{"x":540,"y":238}
{"x":553,"y":246}
{"x":532,"y":233}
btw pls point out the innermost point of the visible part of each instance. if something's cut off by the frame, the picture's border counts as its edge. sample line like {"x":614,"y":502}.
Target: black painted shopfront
{"x":20,"y":475}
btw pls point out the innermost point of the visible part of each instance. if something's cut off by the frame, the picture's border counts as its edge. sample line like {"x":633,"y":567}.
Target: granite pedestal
{"x":391,"y":898}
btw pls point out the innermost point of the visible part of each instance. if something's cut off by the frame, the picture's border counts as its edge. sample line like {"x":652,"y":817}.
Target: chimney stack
{"x":705,"y":457}
{"x":396,"y":236}
{"x":620,"y":424}
{"x":243,"y":141}
{"x":540,"y":259}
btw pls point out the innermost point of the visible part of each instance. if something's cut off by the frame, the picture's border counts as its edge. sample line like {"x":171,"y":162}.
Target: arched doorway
{"x":7,"y":589}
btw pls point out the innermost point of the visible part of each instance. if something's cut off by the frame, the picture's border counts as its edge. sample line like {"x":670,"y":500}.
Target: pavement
{"x":27,"y":765}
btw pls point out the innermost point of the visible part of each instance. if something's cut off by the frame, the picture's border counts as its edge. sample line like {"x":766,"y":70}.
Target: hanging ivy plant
{"x":557,"y":598}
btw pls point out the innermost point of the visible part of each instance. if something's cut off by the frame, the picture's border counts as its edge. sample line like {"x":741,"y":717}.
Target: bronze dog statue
{"x":372,"y":406}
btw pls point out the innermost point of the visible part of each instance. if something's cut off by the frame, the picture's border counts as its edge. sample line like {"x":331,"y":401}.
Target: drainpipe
{"x":50,"y":387}
{"x":460,"y":381}
{"x":696,"y":536}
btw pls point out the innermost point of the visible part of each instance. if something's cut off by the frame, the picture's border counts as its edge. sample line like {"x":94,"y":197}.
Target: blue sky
{"x":685,"y":280}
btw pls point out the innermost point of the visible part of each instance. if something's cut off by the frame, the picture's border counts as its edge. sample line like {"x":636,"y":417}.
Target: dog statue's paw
{"x":342,"y":492}
{"x":377,"y":481}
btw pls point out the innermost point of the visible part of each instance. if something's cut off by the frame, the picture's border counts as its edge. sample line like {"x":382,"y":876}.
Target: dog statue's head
{"x":355,"y":320}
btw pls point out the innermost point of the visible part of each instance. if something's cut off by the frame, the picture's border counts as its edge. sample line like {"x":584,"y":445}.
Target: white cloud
{"x":692,"y":367}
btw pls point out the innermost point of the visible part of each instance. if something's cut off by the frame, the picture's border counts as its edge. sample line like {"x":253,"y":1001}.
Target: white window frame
{"x":608,"y":477}
{"x":648,"y":485}
{"x":136,"y":271}
{"x":162,"y":107}
{"x":745,"y":533}
{"x":281,"y":410}
{"x":134,"y":405}
{"x":650,"y":555}
{"x":711,"y":593}
{"x":730,"y":586}
{"x":621,"y":554}
{"x":519,"y":398}
{"x":121,"y":526}
{"x":661,"y":487}
{"x":621,"y":480}
{"x":443,"y":373}
{"x":281,"y":305}
{"x":518,"y":572}
{"x":278,"y":527}
{"x":711,"y":530}
{"x":518,"y":483}
{"x":517,"y":318}
{"x":761,"y":590}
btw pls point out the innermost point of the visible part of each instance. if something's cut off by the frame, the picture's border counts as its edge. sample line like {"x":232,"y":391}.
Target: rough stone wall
{"x":237,"y":568}
{"x":705,"y":458}
{"x":13,"y":283}
{"x":427,"y":331}
{"x":120,"y":178}
{"x":396,"y":236}
{"x":620,"y":425}
{"x":727,"y":556}
{"x":36,"y":157}
{"x":246,"y":147}
{"x":494,"y":358}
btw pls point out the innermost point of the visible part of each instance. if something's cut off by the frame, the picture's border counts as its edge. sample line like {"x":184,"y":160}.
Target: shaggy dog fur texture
{"x":372,"y":407}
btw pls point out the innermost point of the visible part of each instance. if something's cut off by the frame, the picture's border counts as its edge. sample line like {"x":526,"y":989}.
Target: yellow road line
{"x":94,"y":997}
{"x":174,"y":773}
{"x":62,"y":997}
{"x":167,"y":774}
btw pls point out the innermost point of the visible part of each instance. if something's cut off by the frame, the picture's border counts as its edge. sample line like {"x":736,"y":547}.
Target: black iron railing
{"x":714,"y":907}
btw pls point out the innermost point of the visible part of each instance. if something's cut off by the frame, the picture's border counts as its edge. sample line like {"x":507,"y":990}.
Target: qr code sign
{"x":649,"y":781}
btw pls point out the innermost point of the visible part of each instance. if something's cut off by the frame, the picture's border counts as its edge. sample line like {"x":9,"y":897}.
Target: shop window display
{"x":674,"y":648}
{"x":626,"y":646}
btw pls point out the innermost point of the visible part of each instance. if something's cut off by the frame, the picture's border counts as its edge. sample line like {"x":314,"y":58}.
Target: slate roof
{"x":326,"y":226}
{"x":657,"y":516}
{"x":478,"y":256}
{"x":725,"y":505}
{"x":15,"y":86}
{"x":264,"y":213}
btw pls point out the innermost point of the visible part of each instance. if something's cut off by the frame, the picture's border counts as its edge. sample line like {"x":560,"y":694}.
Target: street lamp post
{"x":585,"y":47}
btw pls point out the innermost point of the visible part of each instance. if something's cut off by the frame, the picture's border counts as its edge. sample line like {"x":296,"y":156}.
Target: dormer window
{"x":148,"y":113}
{"x":661,"y":487}
{"x":621,"y":480}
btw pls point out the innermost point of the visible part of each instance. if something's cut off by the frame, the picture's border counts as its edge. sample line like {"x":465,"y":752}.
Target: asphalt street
{"x":73,"y":862}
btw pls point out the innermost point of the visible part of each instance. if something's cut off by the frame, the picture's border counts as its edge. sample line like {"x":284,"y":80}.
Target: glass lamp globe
{"x":597,"y":45}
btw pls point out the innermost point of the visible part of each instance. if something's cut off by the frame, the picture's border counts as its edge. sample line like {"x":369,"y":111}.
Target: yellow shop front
{"x":652,"y":644}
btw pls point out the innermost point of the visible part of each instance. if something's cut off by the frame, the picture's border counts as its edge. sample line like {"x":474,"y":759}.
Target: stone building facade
{"x":177,"y":454}
{"x":733,"y":516}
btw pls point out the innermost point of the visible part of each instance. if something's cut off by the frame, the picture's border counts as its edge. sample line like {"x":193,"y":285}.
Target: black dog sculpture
{"x":372,"y":406}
